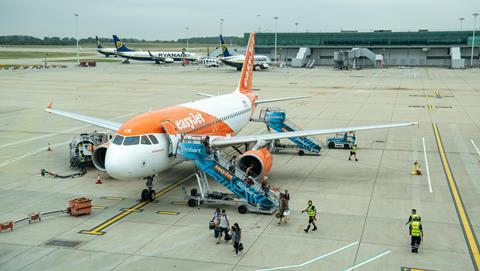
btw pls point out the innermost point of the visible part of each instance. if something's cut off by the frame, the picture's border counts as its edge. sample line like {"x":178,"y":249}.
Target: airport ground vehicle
{"x":342,"y":141}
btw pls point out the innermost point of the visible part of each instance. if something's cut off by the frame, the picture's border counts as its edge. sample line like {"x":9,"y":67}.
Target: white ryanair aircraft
{"x":143,"y":146}
{"x":158,"y":57}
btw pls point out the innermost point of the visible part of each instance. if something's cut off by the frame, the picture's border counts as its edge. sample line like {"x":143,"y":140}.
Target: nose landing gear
{"x":148,"y":194}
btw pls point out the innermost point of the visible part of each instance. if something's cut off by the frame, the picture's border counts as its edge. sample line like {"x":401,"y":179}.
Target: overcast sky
{"x":166,"y":20}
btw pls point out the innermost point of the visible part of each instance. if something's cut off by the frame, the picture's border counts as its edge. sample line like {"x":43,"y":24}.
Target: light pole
{"x":186,"y":29}
{"x":258,"y":19}
{"x":461,"y":23}
{"x":76,"y":37}
{"x":473,"y":38}
{"x":296,"y":27}
{"x":275,"y":51}
{"x":221,"y":26}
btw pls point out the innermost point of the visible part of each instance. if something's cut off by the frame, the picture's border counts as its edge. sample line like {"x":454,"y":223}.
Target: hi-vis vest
{"x":415,"y":217}
{"x":415,"y":228}
{"x":311,"y":211}
{"x":354,"y":148}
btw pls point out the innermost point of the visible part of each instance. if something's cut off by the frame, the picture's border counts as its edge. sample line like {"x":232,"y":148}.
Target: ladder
{"x":275,"y":118}
{"x":248,"y":189}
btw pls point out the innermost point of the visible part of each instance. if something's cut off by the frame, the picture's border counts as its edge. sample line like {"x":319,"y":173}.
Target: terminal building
{"x":377,"y":48}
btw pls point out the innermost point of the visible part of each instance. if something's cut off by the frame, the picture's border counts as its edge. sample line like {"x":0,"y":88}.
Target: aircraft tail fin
{"x":245,"y":84}
{"x":225,"y":51}
{"x":99,"y":45}
{"x":119,"y":45}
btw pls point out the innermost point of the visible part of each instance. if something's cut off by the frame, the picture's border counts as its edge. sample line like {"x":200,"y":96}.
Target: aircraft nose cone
{"x":118,"y":163}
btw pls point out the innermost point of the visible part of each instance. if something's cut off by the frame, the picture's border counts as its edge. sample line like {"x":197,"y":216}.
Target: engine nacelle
{"x":261,"y":160}
{"x":98,"y":157}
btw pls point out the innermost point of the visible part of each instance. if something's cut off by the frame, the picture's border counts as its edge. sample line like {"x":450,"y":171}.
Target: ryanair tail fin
{"x":119,"y":45}
{"x":99,"y":45}
{"x":225,"y":51}
{"x":245,"y":84}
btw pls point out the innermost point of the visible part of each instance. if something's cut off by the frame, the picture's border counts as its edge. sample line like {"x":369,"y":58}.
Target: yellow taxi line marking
{"x":179,"y":202}
{"x":168,"y":213}
{"x":98,"y":229}
{"x":461,"y":212}
{"x":98,"y":207}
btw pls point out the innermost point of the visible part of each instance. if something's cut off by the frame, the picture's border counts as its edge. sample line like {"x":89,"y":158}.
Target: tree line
{"x":29,"y":40}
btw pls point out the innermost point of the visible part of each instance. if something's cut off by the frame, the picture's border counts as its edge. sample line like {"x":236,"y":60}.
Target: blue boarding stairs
{"x":248,"y":196}
{"x":275,"y":118}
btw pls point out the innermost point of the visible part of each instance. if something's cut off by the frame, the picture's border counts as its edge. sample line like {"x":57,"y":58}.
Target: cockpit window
{"x":153,"y":139}
{"x":131,"y":140}
{"x":144,"y":140}
{"x":118,"y":140}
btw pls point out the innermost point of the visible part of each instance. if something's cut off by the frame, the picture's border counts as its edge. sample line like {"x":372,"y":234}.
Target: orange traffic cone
{"x":49,"y":148}
{"x":99,"y":181}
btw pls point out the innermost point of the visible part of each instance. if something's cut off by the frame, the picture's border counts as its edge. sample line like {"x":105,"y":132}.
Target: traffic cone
{"x":49,"y":148}
{"x":99,"y":181}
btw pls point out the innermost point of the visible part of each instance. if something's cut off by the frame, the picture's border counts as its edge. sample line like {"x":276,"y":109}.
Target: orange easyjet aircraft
{"x":146,"y":144}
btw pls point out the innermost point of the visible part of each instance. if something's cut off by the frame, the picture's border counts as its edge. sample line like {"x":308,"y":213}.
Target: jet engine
{"x":98,"y":157}
{"x":261,"y":161}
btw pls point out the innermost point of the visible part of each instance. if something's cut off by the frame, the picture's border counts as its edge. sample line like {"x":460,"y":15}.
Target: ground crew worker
{"x":413,"y":216}
{"x":416,"y":169}
{"x":312,"y":216}
{"x":416,"y":233}
{"x":353,"y":152}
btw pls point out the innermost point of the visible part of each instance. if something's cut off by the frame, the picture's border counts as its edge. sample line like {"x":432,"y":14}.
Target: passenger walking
{"x":236,"y":234}
{"x":353,"y":152}
{"x":233,"y":163}
{"x":283,"y":210}
{"x":265,"y":187}
{"x":312,"y":216}
{"x":223,"y":226}
{"x":413,"y":216}
{"x":215,"y":222}
{"x":416,"y":233}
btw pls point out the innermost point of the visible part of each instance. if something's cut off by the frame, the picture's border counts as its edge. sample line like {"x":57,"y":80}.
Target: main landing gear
{"x":148,"y":194}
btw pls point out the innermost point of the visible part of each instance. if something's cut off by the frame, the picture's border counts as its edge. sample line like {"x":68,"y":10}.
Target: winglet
{"x":245,"y":84}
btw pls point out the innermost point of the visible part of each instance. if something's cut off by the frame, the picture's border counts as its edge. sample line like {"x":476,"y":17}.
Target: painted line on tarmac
{"x":469,"y":234}
{"x":98,"y":230}
{"x":311,"y":261}
{"x":31,"y":153}
{"x":475,"y":146}
{"x":367,"y":261}
{"x":168,"y":213}
{"x":426,"y":166}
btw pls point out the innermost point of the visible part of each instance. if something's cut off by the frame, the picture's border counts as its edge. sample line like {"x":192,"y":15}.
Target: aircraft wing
{"x":205,"y":94}
{"x":280,"y":99}
{"x":229,"y":141}
{"x":111,"y":125}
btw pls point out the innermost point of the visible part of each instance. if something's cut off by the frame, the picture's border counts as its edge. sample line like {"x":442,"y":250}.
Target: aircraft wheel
{"x":145,"y":195}
{"x":301,"y":152}
{"x":346,"y":146}
{"x":192,"y":202}
{"x":331,"y":145}
{"x":242,"y":209}
{"x":152,"y":195}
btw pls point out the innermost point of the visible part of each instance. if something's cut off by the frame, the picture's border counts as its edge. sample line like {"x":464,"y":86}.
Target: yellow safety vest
{"x":415,"y":228}
{"x":311,"y":211}
{"x":415,"y":217}
{"x":354,"y":149}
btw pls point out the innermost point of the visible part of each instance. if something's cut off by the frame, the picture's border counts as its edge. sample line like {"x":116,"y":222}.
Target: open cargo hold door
{"x":172,"y":136}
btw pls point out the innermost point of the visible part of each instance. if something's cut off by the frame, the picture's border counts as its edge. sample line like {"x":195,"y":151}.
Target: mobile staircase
{"x":275,"y":118}
{"x":247,"y":193}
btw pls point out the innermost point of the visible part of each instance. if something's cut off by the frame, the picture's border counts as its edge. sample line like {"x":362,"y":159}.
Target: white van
{"x":210,"y":62}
